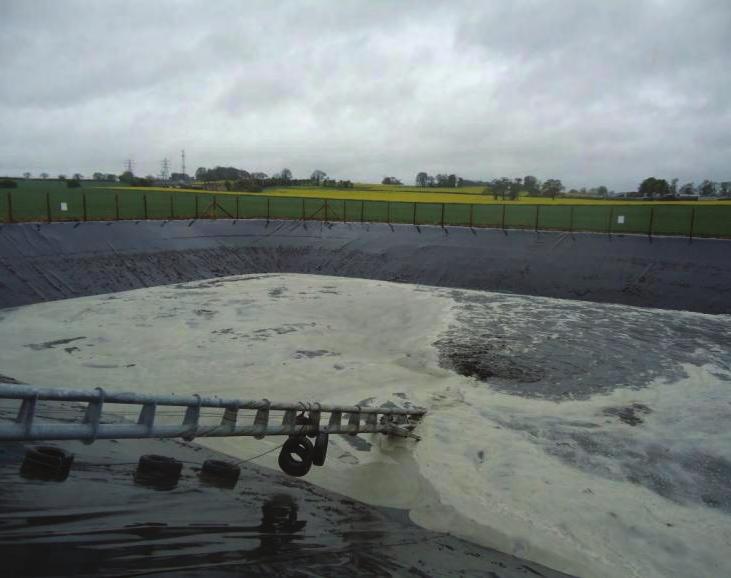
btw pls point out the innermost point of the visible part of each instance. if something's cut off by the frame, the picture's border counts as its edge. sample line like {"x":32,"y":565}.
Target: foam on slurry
{"x":591,"y":438}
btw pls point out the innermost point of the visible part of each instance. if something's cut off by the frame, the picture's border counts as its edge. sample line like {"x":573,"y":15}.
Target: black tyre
{"x":221,"y":471}
{"x":295,"y":457}
{"x":47,"y":462}
{"x":159,"y":465}
{"x":319,"y":453}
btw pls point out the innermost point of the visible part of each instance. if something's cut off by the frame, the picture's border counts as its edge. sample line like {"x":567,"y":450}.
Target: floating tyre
{"x":319,"y":453}
{"x":295,"y":457}
{"x":159,"y":472}
{"x":220,"y":473}
{"x":46,"y":463}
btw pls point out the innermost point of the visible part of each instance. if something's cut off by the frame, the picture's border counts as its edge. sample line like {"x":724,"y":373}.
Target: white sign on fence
{"x":620,"y":220}
{"x":64,"y":207}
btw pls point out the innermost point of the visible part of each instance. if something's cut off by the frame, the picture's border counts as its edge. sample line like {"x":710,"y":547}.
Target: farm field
{"x":390,"y":193}
{"x":360,"y":192}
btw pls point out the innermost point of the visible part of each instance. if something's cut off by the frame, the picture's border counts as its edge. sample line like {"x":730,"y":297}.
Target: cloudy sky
{"x":592,"y":92}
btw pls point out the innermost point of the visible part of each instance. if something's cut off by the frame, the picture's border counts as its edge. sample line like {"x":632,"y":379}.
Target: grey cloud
{"x":591,"y":92}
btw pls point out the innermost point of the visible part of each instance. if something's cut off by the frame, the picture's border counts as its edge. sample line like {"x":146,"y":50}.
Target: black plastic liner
{"x":42,"y":262}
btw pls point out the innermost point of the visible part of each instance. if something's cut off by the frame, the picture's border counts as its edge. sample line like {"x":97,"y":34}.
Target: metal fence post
{"x":196,"y":205}
{"x":326,"y":210}
{"x":414,"y":213}
{"x":652,"y":217}
{"x":611,"y":220}
{"x":362,"y":211}
{"x":345,"y":210}
{"x":116,"y":206}
{"x":442,"y":215}
{"x":238,"y":198}
{"x":472,"y":207}
{"x":10,"y":207}
{"x":269,"y":207}
{"x":304,"y":215}
{"x":538,"y":209}
{"x":48,"y":206}
{"x":214,"y":205}
{"x":172,"y":207}
{"x":692,"y":224}
{"x":83,"y":205}
{"x":144,"y":204}
{"x":502,"y":221}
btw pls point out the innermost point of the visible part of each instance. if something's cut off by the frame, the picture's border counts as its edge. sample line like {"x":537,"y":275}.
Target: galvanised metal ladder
{"x":28,"y":426}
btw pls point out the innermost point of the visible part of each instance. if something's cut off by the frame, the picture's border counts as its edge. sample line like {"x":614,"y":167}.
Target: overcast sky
{"x":592,"y":92}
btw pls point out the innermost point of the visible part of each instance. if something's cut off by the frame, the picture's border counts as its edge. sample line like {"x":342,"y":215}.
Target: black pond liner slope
{"x":43,"y":262}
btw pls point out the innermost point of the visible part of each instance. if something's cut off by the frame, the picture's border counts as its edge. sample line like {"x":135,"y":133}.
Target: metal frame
{"x":27,"y":426}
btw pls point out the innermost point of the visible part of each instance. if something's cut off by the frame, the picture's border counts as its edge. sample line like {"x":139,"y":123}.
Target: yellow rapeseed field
{"x":468,"y":195}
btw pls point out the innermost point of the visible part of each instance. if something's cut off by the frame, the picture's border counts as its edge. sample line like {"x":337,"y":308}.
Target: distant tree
{"x":430,"y":181}
{"x":724,"y":188}
{"x":110,"y":178}
{"x":200,"y":174}
{"x":286,"y":175}
{"x":552,"y":188}
{"x":61,"y":177}
{"x":652,"y":187}
{"x":421,"y":179}
{"x":452,"y":181}
{"x":516,"y":185}
{"x":8,"y":184}
{"x":687,"y":189}
{"x":531,"y":185}
{"x":391,"y":181}
{"x":317,"y":176}
{"x":98,"y":176}
{"x":126,"y":177}
{"x":442,"y":180}
{"x":26,"y":176}
{"x":78,"y":176}
{"x":707,"y":188}
{"x":73,"y":183}
{"x":224,"y":174}
{"x":500,"y":187}
{"x":44,"y":176}
{"x":602,"y":191}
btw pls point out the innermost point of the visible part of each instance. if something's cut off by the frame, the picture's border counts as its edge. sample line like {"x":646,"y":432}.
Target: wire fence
{"x":700,"y":220}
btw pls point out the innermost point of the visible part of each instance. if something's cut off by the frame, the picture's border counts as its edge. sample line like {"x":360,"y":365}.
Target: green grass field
{"x":37,"y":200}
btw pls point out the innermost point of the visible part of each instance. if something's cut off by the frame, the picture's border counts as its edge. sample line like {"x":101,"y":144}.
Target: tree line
{"x":502,"y":187}
{"x":660,"y":188}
